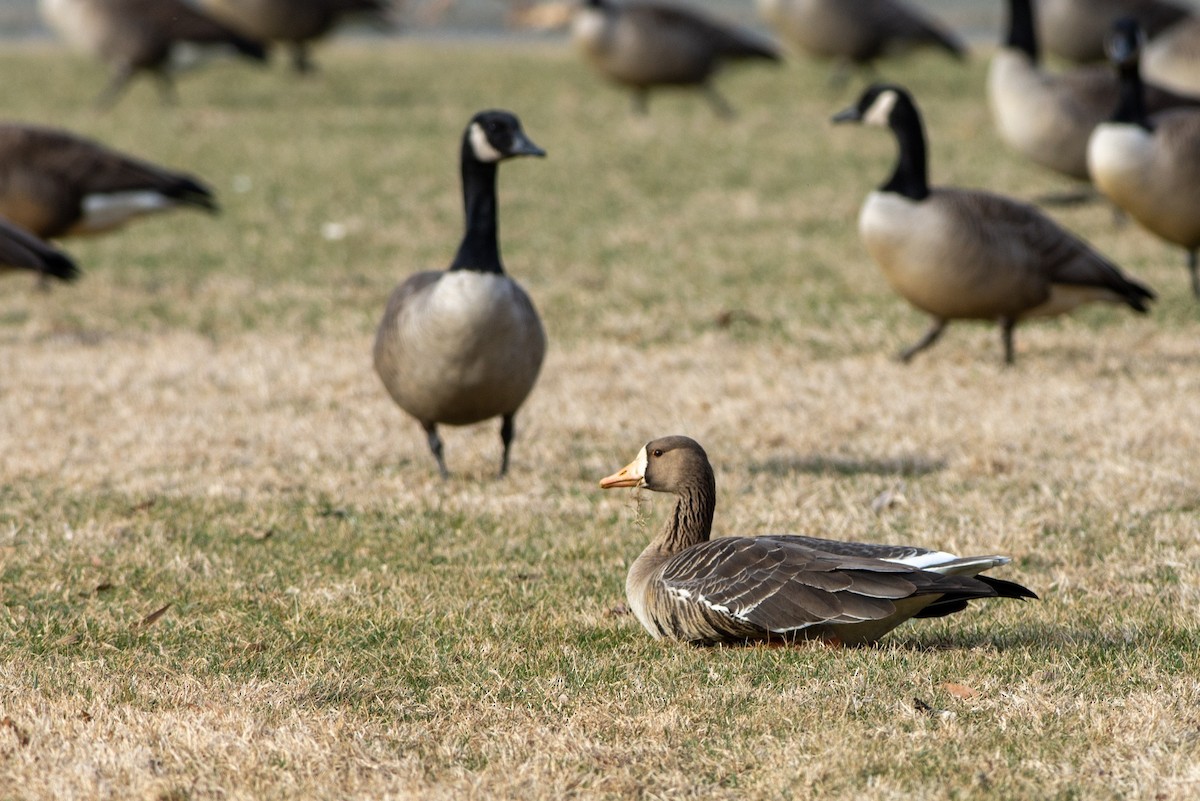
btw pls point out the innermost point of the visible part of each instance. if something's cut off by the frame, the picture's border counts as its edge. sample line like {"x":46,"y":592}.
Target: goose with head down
{"x":686,"y":586}
{"x":965,"y":254}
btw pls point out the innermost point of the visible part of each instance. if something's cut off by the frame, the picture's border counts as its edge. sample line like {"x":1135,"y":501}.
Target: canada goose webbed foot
{"x":507,"y":430}
{"x":931,"y":336}
{"x":435,"y":445}
{"x":1007,"y":324}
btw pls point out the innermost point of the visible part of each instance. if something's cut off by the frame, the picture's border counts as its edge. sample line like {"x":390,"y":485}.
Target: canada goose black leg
{"x":166,"y":88}
{"x":1007,"y":324}
{"x":507,"y":429}
{"x":435,"y":445}
{"x":1192,"y":268}
{"x":720,"y":105}
{"x":115,"y":87}
{"x":641,"y":102}
{"x":300,"y":60}
{"x":931,"y":336}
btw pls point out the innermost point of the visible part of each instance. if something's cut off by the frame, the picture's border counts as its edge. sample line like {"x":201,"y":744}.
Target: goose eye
{"x":658,"y":452}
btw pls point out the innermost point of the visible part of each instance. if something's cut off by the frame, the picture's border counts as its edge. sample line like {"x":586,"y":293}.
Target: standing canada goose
{"x":1076,"y":29}
{"x":856,"y":31}
{"x":55,"y":183}
{"x":21,"y":250}
{"x":1149,"y":166}
{"x":295,"y":22}
{"x":135,"y":35}
{"x":1048,"y":117}
{"x":1173,"y":58}
{"x":963,"y":254}
{"x":685,"y":586}
{"x":463,"y":345}
{"x":645,"y":45}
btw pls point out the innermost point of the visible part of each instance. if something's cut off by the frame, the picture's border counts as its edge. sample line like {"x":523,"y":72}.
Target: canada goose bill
{"x":1149,"y":166}
{"x":644,"y":45}
{"x":961,"y":254}
{"x":779,"y":588}
{"x":134,"y":36}
{"x":55,"y":183}
{"x":464,"y":345}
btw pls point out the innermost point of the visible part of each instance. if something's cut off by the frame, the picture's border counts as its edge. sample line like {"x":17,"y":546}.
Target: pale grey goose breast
{"x":21,"y":250}
{"x":1076,"y":29}
{"x":465,"y":344}
{"x":55,"y":183}
{"x":132,"y":36}
{"x":686,"y":586}
{"x":856,"y":31}
{"x":960,"y":254}
{"x":643,"y":45}
{"x":1047,"y":117}
{"x":1149,"y":165}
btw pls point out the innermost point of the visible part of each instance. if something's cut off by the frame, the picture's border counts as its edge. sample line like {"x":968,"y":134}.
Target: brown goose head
{"x":670,"y":464}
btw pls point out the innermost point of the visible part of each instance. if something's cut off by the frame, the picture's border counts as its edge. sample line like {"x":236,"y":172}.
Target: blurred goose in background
{"x":139,"y":35}
{"x":1048,"y":117}
{"x":295,"y":22}
{"x":55,"y":183}
{"x":856,"y":31}
{"x":463,"y":345}
{"x":645,"y":45}
{"x":1173,"y":58}
{"x":1076,"y":29}
{"x":21,"y":250}
{"x":962,"y":254}
{"x":686,"y":586}
{"x":1149,"y":166}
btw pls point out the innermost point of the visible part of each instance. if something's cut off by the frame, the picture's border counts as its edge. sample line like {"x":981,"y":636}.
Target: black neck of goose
{"x":911,"y":177}
{"x":480,"y":248}
{"x":691,"y":519}
{"x":1021,"y":32}
{"x":1131,"y":103}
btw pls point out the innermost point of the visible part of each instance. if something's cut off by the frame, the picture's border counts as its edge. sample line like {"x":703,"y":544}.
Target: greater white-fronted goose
{"x":685,"y":586}
{"x":463,"y":345}
{"x":1076,"y":29}
{"x":645,"y":45}
{"x":21,"y":250}
{"x":1149,"y":166}
{"x":1173,"y":58}
{"x":1048,"y":117}
{"x":856,"y":31}
{"x":962,"y":254}
{"x":55,"y":183}
{"x":296,"y":23}
{"x":132,"y":36}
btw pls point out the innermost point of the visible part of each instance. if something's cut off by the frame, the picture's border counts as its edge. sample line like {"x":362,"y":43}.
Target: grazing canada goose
{"x":55,"y":183}
{"x":463,"y":345}
{"x":646,"y":45}
{"x":963,"y":254}
{"x":685,"y":586}
{"x":856,"y":31}
{"x":136,"y":35}
{"x":1048,"y":117}
{"x":21,"y":250}
{"x":1076,"y":29}
{"x":1173,"y":58}
{"x":296,"y":22}
{"x":1149,"y":166}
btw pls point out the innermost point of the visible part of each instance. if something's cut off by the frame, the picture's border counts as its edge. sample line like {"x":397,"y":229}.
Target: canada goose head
{"x":890,"y":106}
{"x":1124,"y":48}
{"x":882,"y":104}
{"x":493,"y":136}
{"x":1124,"y":43}
{"x":669,"y":464}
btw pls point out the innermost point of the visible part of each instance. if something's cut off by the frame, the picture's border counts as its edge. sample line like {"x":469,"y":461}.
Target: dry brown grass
{"x":196,"y":424}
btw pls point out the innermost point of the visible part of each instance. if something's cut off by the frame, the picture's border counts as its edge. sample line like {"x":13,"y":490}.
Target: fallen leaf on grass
{"x":152,"y":618}
{"x":959,"y":690}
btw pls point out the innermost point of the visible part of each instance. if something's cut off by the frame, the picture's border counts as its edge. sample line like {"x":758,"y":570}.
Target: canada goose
{"x":463,"y":345}
{"x":135,"y":35}
{"x":296,"y":22}
{"x":1076,"y":29}
{"x":963,"y":254}
{"x":856,"y":31}
{"x":1048,"y":117}
{"x":685,"y":586}
{"x":645,"y":45}
{"x":21,"y":250}
{"x":55,"y":183}
{"x":1150,"y":167}
{"x":1173,"y":58}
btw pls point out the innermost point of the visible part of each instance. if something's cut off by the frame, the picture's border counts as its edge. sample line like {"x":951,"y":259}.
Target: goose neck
{"x":691,"y":520}
{"x":911,"y":177}
{"x":1021,"y":33}
{"x":480,"y":248}
{"x":1131,"y":100}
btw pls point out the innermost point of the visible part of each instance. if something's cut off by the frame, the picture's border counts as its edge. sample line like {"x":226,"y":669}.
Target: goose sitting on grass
{"x":687,"y":587}
{"x":464,"y":345}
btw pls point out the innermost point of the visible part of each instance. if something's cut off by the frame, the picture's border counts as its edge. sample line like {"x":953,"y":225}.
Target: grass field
{"x":195,"y":427}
